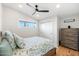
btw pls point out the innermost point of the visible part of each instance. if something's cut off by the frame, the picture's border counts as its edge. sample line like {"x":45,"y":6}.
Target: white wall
{"x":0,"y":17}
{"x":9,"y":22}
{"x":72,"y":24}
{"x":54,"y":33}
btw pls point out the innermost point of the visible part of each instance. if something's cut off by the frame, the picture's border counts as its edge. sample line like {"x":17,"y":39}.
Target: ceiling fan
{"x":36,"y":9}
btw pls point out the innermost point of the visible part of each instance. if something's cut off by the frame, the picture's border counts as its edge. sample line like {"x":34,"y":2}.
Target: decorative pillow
{"x":5,"y":48}
{"x":9,"y":36}
{"x":19,"y":41}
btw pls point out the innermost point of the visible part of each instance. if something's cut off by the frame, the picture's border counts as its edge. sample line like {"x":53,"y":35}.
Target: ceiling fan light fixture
{"x":37,"y":15}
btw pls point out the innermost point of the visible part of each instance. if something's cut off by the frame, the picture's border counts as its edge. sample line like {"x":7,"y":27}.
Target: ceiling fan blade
{"x":34,"y":13}
{"x":43,"y":10}
{"x":29,"y":5}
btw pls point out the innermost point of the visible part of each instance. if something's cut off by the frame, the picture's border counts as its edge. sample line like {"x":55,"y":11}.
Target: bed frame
{"x":52,"y":52}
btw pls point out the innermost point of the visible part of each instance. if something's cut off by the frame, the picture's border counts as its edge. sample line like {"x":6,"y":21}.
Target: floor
{"x":63,"y":51}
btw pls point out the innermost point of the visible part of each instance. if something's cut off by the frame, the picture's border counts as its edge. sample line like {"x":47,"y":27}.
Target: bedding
{"x":5,"y":49}
{"x":35,"y":46}
{"x":9,"y":37}
{"x":19,"y":41}
{"x":13,"y":39}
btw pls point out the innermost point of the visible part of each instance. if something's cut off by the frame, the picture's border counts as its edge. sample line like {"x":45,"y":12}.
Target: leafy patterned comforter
{"x":34,"y":46}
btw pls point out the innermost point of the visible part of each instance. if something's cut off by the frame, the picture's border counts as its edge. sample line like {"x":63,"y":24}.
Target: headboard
{"x":0,"y":35}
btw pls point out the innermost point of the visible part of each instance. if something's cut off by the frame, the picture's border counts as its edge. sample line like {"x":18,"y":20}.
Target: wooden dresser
{"x":70,"y":38}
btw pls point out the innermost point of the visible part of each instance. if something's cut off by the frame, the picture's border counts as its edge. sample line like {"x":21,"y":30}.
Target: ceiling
{"x":65,"y":9}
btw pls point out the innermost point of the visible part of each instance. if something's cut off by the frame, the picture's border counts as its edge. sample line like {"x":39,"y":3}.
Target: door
{"x":48,"y":29}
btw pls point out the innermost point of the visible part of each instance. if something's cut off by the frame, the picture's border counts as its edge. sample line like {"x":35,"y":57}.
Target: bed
{"x":32,"y":46}
{"x":36,"y":46}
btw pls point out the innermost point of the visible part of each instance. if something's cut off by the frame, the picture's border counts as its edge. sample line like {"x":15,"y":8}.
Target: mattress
{"x":34,"y":46}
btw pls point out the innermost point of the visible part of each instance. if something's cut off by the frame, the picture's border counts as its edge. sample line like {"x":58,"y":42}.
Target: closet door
{"x":48,"y":29}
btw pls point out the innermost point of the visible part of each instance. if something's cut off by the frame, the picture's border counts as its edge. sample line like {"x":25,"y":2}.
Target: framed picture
{"x":69,"y":20}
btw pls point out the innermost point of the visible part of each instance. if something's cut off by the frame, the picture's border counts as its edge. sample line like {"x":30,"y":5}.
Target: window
{"x":26,"y":24}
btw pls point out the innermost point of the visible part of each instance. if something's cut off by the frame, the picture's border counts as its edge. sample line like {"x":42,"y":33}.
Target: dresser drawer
{"x":70,"y":41}
{"x":70,"y":31}
{"x":69,"y":34}
{"x":75,"y":39}
{"x":70,"y":45}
